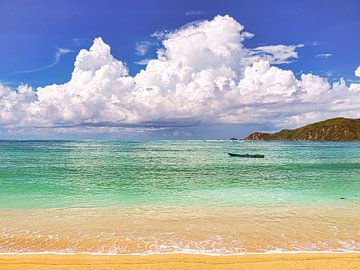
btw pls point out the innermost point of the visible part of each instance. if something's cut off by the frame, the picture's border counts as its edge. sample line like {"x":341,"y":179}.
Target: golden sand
{"x":172,"y":230}
{"x":181,"y":261}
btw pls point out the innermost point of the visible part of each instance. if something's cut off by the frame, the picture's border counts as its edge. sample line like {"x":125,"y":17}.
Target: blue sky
{"x":33,"y":30}
{"x":41,"y":39}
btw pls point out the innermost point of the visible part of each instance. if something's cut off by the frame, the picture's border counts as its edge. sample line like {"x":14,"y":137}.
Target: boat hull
{"x":246,"y":155}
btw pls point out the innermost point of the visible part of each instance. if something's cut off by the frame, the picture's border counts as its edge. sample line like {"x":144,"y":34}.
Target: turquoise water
{"x":86,"y":174}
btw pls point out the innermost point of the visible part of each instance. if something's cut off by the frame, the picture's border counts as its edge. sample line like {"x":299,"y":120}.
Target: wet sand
{"x":176,"y":230}
{"x":181,"y":261}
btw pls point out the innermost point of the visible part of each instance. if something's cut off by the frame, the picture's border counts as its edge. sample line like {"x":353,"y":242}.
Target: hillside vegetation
{"x":336,"y":129}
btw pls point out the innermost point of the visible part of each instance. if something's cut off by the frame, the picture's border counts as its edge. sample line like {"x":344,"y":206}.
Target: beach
{"x":182,"y":261}
{"x":168,"y":135}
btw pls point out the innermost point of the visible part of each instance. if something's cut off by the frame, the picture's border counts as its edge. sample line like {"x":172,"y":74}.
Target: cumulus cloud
{"x":355,"y":87}
{"x":159,"y":35}
{"x":203,"y":73}
{"x":357,"y":71}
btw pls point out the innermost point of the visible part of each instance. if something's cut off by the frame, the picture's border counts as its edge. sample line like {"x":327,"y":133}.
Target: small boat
{"x":246,"y":155}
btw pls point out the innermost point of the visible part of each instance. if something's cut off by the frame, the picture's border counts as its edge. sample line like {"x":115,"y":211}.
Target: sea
{"x":146,"y":197}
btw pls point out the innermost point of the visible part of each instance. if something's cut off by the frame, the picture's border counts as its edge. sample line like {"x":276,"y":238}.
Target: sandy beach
{"x":182,"y":261}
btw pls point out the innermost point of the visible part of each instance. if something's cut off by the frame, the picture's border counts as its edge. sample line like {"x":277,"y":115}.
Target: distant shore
{"x":282,"y":261}
{"x":333,"y":130}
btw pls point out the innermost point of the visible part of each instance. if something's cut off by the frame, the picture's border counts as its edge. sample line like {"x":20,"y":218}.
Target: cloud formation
{"x":357,"y":71}
{"x":277,"y":54}
{"x":323,"y":55}
{"x":143,"y":62}
{"x":194,"y":12}
{"x":141,"y":48}
{"x":203,"y":74}
{"x":57,"y":57}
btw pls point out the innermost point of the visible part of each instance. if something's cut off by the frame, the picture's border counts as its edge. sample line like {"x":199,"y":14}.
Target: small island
{"x":336,"y":129}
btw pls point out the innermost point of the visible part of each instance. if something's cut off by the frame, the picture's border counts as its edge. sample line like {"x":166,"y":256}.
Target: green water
{"x":56,"y":174}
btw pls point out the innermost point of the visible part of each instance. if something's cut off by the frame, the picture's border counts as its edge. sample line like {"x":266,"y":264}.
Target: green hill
{"x":336,"y":129}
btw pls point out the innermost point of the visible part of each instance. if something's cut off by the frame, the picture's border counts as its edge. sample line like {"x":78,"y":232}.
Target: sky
{"x":175,"y":69}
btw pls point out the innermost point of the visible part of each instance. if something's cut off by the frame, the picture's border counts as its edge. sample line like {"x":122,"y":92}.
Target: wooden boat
{"x":246,"y":155}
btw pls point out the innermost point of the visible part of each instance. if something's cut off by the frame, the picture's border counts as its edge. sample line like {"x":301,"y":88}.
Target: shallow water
{"x":176,"y":196}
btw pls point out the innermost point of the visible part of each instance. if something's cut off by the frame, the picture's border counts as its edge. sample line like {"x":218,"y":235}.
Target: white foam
{"x":188,"y":252}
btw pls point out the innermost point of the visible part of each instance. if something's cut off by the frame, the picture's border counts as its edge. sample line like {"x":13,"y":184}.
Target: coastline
{"x":179,"y":261}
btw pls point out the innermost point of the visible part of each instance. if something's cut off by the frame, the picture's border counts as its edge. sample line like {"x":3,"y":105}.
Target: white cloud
{"x":194,"y":12}
{"x":203,"y":73}
{"x":357,"y":71}
{"x":57,"y":57}
{"x":14,"y":104}
{"x":323,"y":55}
{"x":159,"y":35}
{"x":60,"y":52}
{"x":141,"y":48}
{"x":143,"y":62}
{"x":355,"y":87}
{"x":277,"y":54}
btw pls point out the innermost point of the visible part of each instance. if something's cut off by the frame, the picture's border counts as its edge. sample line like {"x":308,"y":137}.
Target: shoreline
{"x":181,"y":261}
{"x":190,"y":253}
